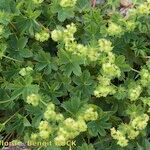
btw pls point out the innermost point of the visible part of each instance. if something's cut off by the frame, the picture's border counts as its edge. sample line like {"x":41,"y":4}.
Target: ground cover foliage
{"x":75,"y":70}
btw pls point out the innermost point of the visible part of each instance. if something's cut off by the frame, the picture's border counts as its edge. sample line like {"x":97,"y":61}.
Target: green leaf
{"x":26,"y":53}
{"x":85,"y":146}
{"x":22,"y":86}
{"x":16,"y":125}
{"x":73,"y":105}
{"x":70,"y":63}
{"x":99,"y":126}
{"x":26,"y":123}
{"x":45,"y":62}
{"x":144,"y":146}
{"x":64,"y":14}
{"x":84,"y":84}
{"x":83,"y":5}
{"x":2,"y":127}
{"x":122,"y":64}
{"x":22,"y":42}
{"x":27,"y":25}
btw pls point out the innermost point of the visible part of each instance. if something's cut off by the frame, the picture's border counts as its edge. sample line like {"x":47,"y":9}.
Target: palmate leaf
{"x":18,"y":124}
{"x":99,"y":126}
{"x":45,"y":62}
{"x":52,"y":90}
{"x":84,"y":84}
{"x":17,"y":48}
{"x":36,"y":114}
{"x":85,"y":146}
{"x":144,"y":146}
{"x":8,"y":6}
{"x":64,"y":14}
{"x":70,"y":63}
{"x":27,"y":25}
{"x":122,"y":64}
{"x":22,"y":87}
{"x":73,"y":105}
{"x":65,"y":82}
{"x":83,"y":5}
{"x":7,"y":11}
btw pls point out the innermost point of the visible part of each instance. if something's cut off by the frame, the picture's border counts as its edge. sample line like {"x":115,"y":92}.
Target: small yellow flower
{"x":114,"y":29}
{"x":42,"y":36}
{"x":105,"y":45}
{"x":134,"y":92}
{"x":33,"y":99}
{"x":56,"y":35}
{"x":44,"y":134}
{"x":68,"y":3}
{"x":143,"y":9}
{"x":60,"y":140}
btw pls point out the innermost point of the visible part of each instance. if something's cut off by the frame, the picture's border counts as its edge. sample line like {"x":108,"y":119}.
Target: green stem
{"x":11,"y":116}
{"x":135,"y":70}
{"x":11,"y":58}
{"x":6,"y":101}
{"x":43,"y":102}
{"x":147,"y":57}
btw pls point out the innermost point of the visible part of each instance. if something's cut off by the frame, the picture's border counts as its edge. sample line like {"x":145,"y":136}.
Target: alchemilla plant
{"x":75,"y":74}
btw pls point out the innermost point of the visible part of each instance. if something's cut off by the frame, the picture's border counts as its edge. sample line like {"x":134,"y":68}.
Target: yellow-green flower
{"x":68,"y":3}
{"x":33,"y":99}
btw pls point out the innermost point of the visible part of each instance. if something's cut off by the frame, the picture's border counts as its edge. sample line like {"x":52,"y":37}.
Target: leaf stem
{"x":11,"y":58}
{"x":43,"y":102}
{"x":135,"y":70}
{"x":147,"y":57}
{"x":11,"y":116}
{"x":6,"y":101}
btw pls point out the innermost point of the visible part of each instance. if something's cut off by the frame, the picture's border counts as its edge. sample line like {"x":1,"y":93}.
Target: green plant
{"x":70,"y":71}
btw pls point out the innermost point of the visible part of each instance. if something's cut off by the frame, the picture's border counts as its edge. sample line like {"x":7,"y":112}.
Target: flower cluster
{"x":65,"y":35}
{"x":143,"y":8}
{"x":109,"y":70}
{"x":134,"y":92}
{"x":25,"y":71}
{"x":146,"y":102}
{"x":64,"y":129}
{"x":93,"y":54}
{"x":51,"y":115}
{"x":105,"y":45}
{"x":130,"y":131}
{"x":140,"y":122}
{"x":44,"y":130}
{"x":88,"y":114}
{"x":68,"y":3}
{"x":145,"y":77}
{"x":120,"y":136}
{"x":103,"y":90}
{"x":70,"y":128}
{"x":33,"y":99}
{"x":42,"y":36}
{"x":77,"y":49}
{"x":114,"y":29}
{"x":130,"y":25}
